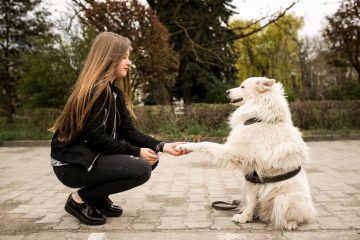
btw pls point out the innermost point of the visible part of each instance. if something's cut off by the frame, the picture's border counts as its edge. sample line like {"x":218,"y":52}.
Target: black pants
{"x":110,"y":174}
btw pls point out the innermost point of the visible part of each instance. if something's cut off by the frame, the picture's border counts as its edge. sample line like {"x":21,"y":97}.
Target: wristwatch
{"x":160,"y":147}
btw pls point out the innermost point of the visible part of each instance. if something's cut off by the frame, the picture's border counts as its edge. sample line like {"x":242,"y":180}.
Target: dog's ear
{"x":264,"y":85}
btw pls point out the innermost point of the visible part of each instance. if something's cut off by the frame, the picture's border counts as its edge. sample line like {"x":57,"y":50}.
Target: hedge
{"x":306,"y":115}
{"x":199,"y":120}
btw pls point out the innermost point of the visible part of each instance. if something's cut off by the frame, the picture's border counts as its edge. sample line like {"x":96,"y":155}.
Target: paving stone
{"x":221,"y":223}
{"x":330,"y":223}
{"x":51,"y":218}
{"x":67,"y":223}
{"x":176,"y":201}
{"x":22,"y":209}
{"x":197,"y":224}
{"x":171,"y":223}
{"x":35,"y":213}
{"x":144,"y":226}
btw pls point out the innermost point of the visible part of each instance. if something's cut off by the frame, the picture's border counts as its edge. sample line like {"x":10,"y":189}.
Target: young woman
{"x":95,"y":146}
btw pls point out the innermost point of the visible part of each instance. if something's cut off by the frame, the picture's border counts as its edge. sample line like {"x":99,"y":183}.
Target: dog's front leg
{"x":249,"y":209}
{"x":215,"y":149}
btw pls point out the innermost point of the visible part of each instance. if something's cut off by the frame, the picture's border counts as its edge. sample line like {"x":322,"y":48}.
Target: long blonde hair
{"x":99,"y":69}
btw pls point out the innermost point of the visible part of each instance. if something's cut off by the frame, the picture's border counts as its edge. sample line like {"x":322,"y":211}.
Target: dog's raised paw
{"x":179,"y":147}
{"x":185,"y":147}
{"x":240,"y":218}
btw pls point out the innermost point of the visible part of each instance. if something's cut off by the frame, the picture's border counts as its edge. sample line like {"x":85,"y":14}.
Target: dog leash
{"x":220,"y":205}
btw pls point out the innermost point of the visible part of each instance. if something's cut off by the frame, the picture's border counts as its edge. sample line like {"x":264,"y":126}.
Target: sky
{"x":313,"y":11}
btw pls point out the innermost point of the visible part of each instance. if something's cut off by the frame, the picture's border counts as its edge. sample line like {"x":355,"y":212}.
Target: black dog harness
{"x":254,"y":178}
{"x":251,"y":121}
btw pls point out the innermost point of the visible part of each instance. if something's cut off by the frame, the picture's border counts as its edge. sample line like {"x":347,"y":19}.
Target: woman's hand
{"x":149,"y":155}
{"x":170,"y":149}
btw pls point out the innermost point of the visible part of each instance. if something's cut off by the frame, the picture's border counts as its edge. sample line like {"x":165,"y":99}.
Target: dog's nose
{"x":228,"y":92}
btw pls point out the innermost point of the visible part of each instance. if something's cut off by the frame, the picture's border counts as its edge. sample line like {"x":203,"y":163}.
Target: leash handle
{"x":220,"y":205}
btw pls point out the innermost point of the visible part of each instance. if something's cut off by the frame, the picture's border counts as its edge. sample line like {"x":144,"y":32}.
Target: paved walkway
{"x":175,"y":203}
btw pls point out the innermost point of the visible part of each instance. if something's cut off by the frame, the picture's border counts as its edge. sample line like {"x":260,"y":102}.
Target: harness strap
{"x":254,"y":177}
{"x":251,"y":121}
{"x":220,"y":205}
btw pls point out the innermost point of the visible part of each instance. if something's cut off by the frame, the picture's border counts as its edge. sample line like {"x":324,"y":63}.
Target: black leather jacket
{"x":98,"y":137}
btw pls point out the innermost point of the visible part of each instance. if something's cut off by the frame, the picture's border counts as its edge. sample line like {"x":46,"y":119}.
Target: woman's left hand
{"x":170,"y":149}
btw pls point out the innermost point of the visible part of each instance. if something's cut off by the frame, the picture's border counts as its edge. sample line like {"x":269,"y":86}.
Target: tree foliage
{"x":273,"y":52}
{"x":156,"y":63}
{"x":199,"y":33}
{"x":342,"y":35}
{"x":52,"y":69}
{"x":20,"y":22}
{"x":320,"y":79}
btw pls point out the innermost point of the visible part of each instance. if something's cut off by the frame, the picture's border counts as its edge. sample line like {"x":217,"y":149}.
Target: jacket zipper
{"x":114,"y":128}
{"x":114,"y":133}
{"x":91,"y":166}
{"x":105,"y":117}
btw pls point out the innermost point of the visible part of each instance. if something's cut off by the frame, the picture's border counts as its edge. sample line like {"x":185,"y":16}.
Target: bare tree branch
{"x":195,"y":45}
{"x":272,"y":20}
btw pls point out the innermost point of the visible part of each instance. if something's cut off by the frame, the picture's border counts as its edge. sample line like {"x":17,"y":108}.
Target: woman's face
{"x":124,"y":66}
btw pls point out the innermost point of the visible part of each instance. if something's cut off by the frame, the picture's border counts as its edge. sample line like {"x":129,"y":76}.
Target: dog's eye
{"x":242,"y":86}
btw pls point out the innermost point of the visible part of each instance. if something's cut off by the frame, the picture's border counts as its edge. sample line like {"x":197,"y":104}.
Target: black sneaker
{"x":84,"y":212}
{"x":106,"y":207}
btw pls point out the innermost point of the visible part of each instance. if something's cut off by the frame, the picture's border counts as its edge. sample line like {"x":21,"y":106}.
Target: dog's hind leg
{"x":300,"y":210}
{"x":278,"y":214}
{"x":289,"y":211}
{"x":291,"y":225}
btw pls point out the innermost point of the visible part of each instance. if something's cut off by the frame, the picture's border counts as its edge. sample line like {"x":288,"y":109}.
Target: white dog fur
{"x":270,"y":147}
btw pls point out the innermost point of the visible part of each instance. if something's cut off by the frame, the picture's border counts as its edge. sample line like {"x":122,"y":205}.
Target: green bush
{"x":29,"y":124}
{"x":326,"y":114}
{"x":196,"y":121}
{"x":211,"y":119}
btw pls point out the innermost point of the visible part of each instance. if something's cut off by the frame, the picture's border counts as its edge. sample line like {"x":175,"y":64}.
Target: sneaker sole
{"x":81,"y":218}
{"x":109,"y":213}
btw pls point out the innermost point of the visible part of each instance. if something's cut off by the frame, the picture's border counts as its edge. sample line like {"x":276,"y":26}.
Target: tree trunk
{"x":162,"y":95}
{"x":8,"y":102}
{"x":8,"y":91}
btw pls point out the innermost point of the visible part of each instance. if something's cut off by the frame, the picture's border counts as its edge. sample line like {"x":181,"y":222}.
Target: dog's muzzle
{"x":233,"y":100}
{"x":236,"y":100}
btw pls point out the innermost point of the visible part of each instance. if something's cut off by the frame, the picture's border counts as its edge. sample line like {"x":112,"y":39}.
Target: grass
{"x":25,"y":128}
{"x":326,"y":132}
{"x":223,"y":133}
{"x":21,"y":129}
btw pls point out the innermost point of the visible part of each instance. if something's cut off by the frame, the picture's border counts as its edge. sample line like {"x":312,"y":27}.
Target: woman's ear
{"x":265,"y":84}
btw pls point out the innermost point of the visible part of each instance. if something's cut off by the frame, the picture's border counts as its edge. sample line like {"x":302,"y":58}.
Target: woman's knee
{"x":144,"y":171}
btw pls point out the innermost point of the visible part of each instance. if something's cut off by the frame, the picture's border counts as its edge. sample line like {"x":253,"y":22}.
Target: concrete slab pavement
{"x":175,"y":203}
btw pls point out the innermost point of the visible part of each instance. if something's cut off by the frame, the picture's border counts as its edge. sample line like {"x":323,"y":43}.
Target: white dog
{"x":264,"y":143}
